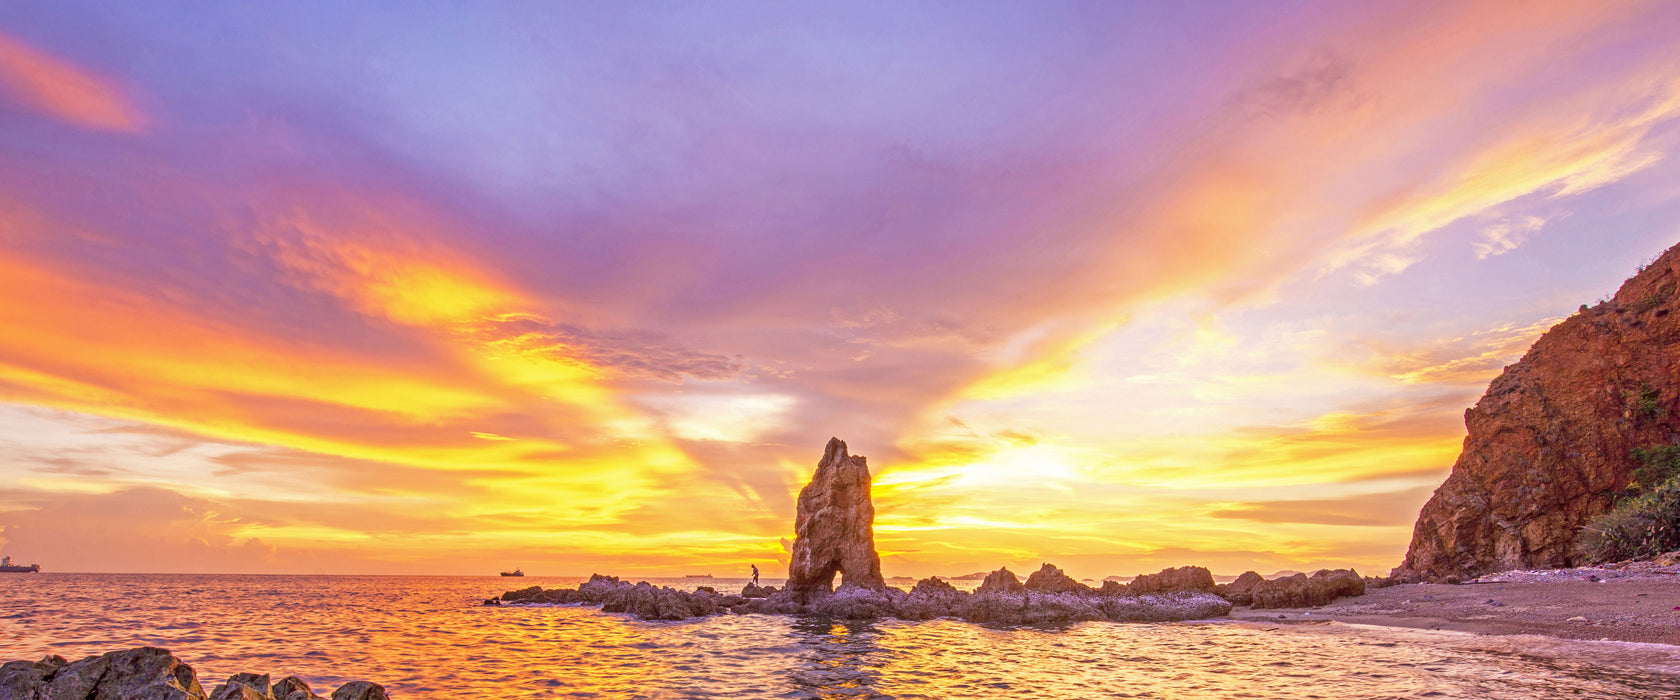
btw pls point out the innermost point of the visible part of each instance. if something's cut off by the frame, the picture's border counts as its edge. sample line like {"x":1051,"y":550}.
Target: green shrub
{"x":1645,"y":402}
{"x":1638,"y":528}
{"x":1656,"y":465}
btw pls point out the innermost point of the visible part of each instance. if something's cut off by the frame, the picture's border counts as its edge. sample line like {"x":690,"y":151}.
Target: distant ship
{"x":515,"y":572}
{"x":698,"y":576}
{"x":7,"y":567}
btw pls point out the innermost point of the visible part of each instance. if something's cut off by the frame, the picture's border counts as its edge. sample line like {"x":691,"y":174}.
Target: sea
{"x":429,"y":638}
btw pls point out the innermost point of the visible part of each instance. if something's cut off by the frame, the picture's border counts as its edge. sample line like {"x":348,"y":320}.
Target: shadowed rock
{"x":1001,"y":581}
{"x":1049,"y":579}
{"x":1302,"y":591}
{"x":243,"y":686}
{"x":834,"y":528}
{"x":753,"y":590}
{"x":1180,"y":580}
{"x":292,"y":688}
{"x":150,"y":673}
{"x":1241,"y":591}
{"x":930,"y":598}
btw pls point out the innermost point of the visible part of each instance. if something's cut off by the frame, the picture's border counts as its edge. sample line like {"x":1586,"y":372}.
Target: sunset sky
{"x":457,"y":287}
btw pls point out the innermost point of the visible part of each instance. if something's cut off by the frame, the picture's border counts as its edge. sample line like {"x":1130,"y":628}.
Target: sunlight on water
{"x":428,"y":638}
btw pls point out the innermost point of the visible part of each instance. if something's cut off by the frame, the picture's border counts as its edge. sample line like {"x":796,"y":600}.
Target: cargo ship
{"x":515,"y":572}
{"x":7,"y":567}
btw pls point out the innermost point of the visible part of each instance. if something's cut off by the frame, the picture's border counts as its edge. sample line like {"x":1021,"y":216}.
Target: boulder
{"x":598,"y":587}
{"x":146,"y":673}
{"x":928,"y":599}
{"x":237,"y":692}
{"x":1001,"y":581}
{"x":753,"y":590}
{"x":292,"y":688}
{"x":25,"y":680}
{"x":1302,"y":591}
{"x":778,"y":603}
{"x":834,"y":528}
{"x":1550,"y":446}
{"x":1061,"y":608}
{"x":1241,"y":591}
{"x":856,"y":603}
{"x":1185,"y":579}
{"x":360,"y":690}
{"x":149,"y":673}
{"x":1049,"y":579}
{"x":243,"y":686}
{"x":935,"y":586}
{"x":646,"y":602}
{"x":1112,"y":587}
{"x":995,"y":607}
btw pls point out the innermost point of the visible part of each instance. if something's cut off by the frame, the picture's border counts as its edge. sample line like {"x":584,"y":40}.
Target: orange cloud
{"x":63,"y":90}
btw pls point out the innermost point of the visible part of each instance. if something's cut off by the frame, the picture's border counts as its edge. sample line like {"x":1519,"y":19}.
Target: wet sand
{"x":1633,"y":609}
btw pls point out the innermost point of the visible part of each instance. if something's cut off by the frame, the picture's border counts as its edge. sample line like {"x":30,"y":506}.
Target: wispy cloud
{"x":63,"y":90}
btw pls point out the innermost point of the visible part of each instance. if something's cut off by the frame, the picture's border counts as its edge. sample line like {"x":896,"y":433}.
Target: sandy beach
{"x":1641,"y":604}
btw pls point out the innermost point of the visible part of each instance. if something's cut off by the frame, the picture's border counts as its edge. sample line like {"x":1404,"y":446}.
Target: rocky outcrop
{"x":1241,"y":591}
{"x":1047,"y":598}
{"x":1303,"y":591}
{"x":834,"y":528}
{"x":150,"y":673}
{"x":1049,"y":579}
{"x":1550,"y":444}
{"x":1001,"y":581}
{"x":1180,"y":580}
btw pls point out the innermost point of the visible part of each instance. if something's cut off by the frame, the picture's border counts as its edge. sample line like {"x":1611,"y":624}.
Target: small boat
{"x":7,"y":567}
{"x":698,"y":576}
{"x":515,"y":572}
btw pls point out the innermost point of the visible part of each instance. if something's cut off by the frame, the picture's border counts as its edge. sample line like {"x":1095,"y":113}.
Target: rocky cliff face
{"x":834,"y":528}
{"x":1551,"y":442}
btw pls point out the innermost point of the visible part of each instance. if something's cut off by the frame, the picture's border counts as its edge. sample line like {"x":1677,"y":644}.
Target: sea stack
{"x":834,"y":530}
{"x":1552,"y":442}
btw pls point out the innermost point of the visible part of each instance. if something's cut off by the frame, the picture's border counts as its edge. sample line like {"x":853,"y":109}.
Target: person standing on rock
{"x":755,"y":574}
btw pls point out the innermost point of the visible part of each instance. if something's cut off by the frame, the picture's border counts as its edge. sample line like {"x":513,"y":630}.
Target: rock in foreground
{"x":150,"y":673}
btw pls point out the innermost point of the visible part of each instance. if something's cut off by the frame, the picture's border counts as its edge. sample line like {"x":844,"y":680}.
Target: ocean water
{"x":428,"y":637}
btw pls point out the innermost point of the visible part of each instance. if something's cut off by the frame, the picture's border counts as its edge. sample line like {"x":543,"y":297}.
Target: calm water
{"x":426,"y":637}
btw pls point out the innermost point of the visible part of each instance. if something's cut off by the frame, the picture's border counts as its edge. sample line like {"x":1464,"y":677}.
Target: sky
{"x":449,"y":288}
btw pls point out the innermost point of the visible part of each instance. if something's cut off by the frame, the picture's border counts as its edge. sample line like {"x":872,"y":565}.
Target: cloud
{"x":63,"y":90}
{"x":1388,"y":509}
{"x":1470,"y":360}
{"x":609,"y":319}
{"x":141,"y":529}
{"x":1504,"y":235}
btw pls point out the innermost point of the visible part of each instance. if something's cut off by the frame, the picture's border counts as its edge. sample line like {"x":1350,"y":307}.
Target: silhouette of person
{"x":755,"y":574}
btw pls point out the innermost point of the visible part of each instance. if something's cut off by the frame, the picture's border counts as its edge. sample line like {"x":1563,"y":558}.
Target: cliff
{"x":1550,"y":445}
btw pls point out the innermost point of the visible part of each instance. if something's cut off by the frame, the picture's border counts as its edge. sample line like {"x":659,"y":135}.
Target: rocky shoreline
{"x":150,"y":673}
{"x":834,"y":536}
{"x":1626,"y":602}
{"x":1048,"y":596}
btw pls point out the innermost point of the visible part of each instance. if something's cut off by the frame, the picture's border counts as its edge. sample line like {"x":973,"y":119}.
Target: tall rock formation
{"x":834,"y":531}
{"x":1551,"y":442}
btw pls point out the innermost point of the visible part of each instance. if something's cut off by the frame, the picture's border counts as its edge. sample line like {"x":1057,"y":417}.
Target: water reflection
{"x":840,"y":659}
{"x":427,"y":639}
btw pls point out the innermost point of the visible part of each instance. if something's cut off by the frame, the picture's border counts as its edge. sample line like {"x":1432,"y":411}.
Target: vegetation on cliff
{"x":1647,"y":522}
